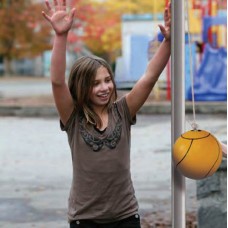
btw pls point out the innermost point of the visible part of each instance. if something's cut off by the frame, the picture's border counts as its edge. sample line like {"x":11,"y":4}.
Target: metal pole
{"x":178,"y":107}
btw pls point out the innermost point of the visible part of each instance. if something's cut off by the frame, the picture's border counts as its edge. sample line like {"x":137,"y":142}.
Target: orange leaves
{"x":100,"y":24}
{"x":23,"y":32}
{"x":100,"y":21}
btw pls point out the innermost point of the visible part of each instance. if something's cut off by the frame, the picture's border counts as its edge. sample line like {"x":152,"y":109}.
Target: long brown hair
{"x":82,"y":75}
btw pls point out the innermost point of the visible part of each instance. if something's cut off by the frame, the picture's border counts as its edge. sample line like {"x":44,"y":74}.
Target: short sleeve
{"x":69,"y":122}
{"x":123,"y":107}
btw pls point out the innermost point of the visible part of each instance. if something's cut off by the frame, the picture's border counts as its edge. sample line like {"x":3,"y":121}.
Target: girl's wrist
{"x":60,"y":38}
{"x":168,"y":40}
{"x":64,"y":35}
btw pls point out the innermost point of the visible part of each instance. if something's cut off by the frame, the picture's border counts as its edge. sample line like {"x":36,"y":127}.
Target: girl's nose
{"x":104,"y":86}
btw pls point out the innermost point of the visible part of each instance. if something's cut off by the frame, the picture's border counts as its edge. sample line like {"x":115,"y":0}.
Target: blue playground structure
{"x":210,"y":81}
{"x":210,"y":77}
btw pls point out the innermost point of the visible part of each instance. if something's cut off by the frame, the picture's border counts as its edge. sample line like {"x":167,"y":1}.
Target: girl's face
{"x":102,"y":88}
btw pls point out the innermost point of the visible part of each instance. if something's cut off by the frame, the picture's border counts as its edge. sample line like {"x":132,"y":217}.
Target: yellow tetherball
{"x":197,"y":154}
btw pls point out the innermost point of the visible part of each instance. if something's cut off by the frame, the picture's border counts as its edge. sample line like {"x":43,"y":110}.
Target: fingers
{"x":162,"y":29}
{"x":60,"y":6}
{"x":64,"y":3}
{"x":165,"y":32}
{"x":169,"y":5}
{"x":167,"y":12}
{"x":72,"y":12}
{"x":57,"y":5}
{"x":48,"y":4}
{"x":49,"y":9}
{"x":46,"y":16}
{"x":167,"y":16}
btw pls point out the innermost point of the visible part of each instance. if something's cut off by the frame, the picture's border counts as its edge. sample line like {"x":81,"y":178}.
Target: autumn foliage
{"x":24,"y":32}
{"x":101,"y":22}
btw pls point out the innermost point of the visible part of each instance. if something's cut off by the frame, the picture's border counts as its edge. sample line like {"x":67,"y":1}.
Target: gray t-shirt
{"x":101,"y":188}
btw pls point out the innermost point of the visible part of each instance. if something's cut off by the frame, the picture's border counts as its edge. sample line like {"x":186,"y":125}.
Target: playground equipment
{"x":193,"y":147}
{"x":210,"y":82}
{"x":207,"y":26}
{"x":178,"y":110}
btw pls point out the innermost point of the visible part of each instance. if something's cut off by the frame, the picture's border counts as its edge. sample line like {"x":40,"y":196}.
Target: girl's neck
{"x":100,"y":111}
{"x":103,"y":114}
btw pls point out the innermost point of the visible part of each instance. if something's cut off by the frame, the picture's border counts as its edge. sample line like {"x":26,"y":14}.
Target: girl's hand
{"x":166,"y":30}
{"x":60,"y":20}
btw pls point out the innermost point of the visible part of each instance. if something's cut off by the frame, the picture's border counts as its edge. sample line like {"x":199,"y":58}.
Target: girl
{"x":98,"y":127}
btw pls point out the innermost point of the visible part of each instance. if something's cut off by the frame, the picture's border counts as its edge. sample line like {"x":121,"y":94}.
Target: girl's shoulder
{"x":70,"y":121}
{"x":121,"y":106}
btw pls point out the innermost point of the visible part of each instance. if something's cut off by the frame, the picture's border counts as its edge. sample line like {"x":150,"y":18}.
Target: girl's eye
{"x":95,"y":83}
{"x":108,"y":80}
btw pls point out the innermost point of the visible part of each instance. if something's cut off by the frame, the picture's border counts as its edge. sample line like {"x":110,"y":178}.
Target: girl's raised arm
{"x":61,"y":22}
{"x":140,"y":92}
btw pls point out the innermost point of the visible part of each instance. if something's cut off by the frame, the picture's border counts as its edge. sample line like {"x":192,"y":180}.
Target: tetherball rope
{"x":193,"y":124}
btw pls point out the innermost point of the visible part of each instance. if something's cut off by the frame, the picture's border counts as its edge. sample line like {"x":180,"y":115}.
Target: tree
{"x":23,"y":32}
{"x":101,"y":22}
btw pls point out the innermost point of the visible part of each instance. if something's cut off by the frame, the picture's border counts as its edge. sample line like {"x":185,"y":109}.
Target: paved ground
{"x":35,"y":170}
{"x":35,"y":161}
